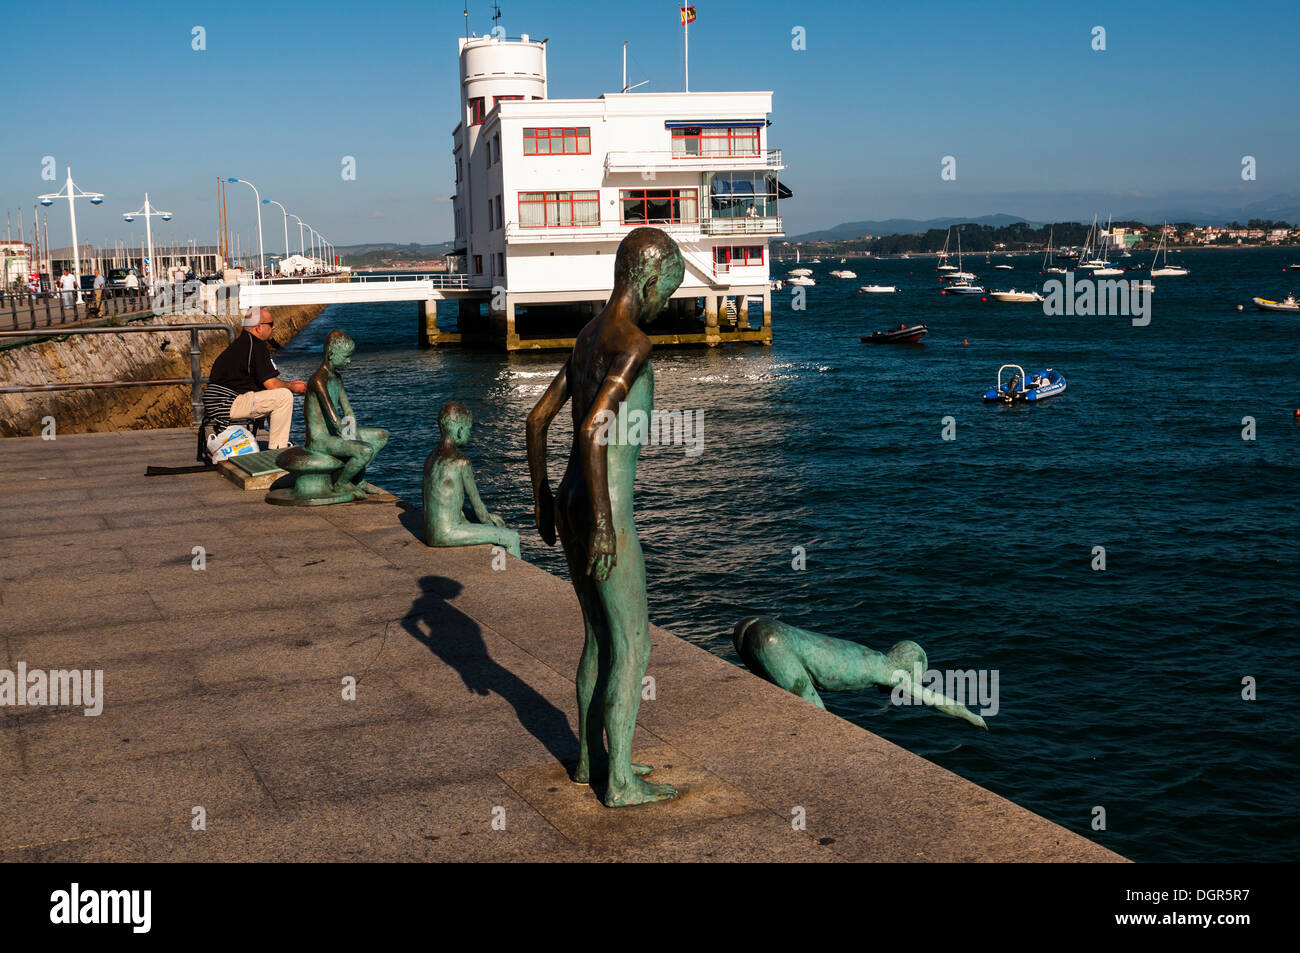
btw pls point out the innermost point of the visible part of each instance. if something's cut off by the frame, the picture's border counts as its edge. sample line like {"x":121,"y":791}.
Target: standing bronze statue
{"x":609,"y":365}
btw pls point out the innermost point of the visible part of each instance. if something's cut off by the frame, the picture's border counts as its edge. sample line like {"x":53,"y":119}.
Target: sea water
{"x":1119,"y":688}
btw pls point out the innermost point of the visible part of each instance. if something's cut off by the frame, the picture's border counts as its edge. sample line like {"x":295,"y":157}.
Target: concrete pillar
{"x":427,"y":312}
{"x":711,"y":336}
{"x":742,"y":313}
{"x":767,"y":315}
{"x":512,"y":339}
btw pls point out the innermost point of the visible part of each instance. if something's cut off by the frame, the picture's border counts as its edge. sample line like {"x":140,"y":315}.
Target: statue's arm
{"x":539,"y":424}
{"x":476,"y":501}
{"x":344,"y":403}
{"x":320,"y":387}
{"x":594,"y":454}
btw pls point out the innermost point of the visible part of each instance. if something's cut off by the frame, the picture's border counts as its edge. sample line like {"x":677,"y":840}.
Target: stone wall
{"x":105,"y":357}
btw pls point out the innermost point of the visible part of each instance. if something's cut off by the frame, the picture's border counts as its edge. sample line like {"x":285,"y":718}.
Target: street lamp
{"x":72,"y":193}
{"x":148,"y":211}
{"x":286,"y":230}
{"x":302,"y":249}
{"x":261,"y":254}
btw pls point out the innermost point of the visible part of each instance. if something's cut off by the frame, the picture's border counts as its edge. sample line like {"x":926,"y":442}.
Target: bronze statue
{"x":331,"y":467}
{"x":802,"y":662}
{"x":448,"y":481}
{"x":609,"y":365}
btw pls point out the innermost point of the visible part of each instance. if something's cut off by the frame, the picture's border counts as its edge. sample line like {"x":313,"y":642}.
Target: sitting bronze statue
{"x":802,"y":662}
{"x":448,"y":482}
{"x":608,"y":367}
{"x":331,"y":467}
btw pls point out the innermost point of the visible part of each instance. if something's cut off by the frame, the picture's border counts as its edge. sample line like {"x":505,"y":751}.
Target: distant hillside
{"x":902,"y":226}
{"x":376,"y":253}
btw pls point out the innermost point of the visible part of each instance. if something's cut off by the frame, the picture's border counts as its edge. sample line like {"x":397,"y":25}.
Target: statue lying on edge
{"x":802,"y":662}
{"x":448,"y":481}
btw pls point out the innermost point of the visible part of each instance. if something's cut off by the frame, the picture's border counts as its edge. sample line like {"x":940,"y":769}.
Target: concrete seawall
{"x":107,"y":357}
{"x":226,"y":689}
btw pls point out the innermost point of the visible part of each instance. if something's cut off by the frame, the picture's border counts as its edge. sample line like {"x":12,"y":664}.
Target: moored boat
{"x":1016,"y":296}
{"x":1019,"y":390}
{"x":878,"y":289}
{"x":802,"y":281}
{"x":903,"y":334}
{"x":963,"y":288}
{"x":1288,"y":303}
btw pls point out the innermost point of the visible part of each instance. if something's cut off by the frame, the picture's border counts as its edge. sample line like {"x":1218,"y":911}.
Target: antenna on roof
{"x":496,"y":16}
{"x":467,"y":19}
{"x":626,"y":88}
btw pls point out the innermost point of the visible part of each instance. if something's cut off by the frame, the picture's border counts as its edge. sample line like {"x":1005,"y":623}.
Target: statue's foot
{"x":638,"y":791}
{"x":369,"y":487}
{"x":582,"y":773}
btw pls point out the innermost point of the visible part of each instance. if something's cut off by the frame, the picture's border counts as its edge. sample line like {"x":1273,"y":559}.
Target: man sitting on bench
{"x":245,"y":383}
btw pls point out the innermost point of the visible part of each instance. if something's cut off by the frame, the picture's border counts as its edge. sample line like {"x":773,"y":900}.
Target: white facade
{"x":547,"y":188}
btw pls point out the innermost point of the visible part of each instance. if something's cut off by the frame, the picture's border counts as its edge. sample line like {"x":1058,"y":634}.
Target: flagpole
{"x":686,"y":50}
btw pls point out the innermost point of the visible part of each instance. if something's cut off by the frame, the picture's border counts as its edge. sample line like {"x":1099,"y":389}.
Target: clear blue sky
{"x":1041,"y":125}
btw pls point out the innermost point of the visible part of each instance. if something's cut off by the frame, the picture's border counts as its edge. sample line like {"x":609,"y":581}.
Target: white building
{"x":547,"y":188}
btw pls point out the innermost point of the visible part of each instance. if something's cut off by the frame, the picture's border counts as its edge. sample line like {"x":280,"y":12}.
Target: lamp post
{"x":72,"y":193}
{"x":302,"y":250}
{"x":286,"y":230}
{"x":148,"y":211}
{"x":261,"y":254}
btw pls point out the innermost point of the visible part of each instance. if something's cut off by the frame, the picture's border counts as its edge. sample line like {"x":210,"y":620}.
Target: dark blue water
{"x":1119,"y":689}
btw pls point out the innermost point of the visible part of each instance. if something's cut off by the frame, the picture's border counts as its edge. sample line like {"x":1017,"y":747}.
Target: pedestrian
{"x":132,"y":283}
{"x":67,"y":284}
{"x":99,"y":289}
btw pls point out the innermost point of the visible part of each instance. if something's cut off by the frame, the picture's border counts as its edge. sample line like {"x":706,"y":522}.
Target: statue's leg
{"x":623,"y":597}
{"x":593,"y":671}
{"x":770,"y":656}
{"x":476,"y":534}
{"x":376,"y":438}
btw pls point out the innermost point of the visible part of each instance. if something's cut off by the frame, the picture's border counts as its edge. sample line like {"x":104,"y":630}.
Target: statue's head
{"x":339,"y":348}
{"x":455,"y":421}
{"x":651,"y":263}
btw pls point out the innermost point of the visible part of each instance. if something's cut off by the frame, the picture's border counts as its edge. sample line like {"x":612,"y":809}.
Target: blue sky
{"x":1041,"y":125}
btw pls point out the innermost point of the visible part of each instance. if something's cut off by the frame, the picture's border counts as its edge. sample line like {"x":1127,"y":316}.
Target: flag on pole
{"x":688,"y":15}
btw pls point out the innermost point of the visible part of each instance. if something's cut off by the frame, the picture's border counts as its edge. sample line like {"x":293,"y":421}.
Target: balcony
{"x":757,"y":225}
{"x":604,"y":232}
{"x":668,"y":162}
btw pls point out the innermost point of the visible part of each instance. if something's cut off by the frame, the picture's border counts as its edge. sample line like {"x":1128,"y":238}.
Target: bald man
{"x":245,"y":382}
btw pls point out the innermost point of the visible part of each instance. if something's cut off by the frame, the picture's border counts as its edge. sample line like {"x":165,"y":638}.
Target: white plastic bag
{"x":231,"y":442}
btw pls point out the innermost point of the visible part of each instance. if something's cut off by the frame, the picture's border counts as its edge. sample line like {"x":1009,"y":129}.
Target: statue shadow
{"x":458,"y":641}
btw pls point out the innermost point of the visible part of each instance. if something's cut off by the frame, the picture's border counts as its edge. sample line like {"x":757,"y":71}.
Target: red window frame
{"x":674,"y":196}
{"x":731,"y":134}
{"x":550,"y":135}
{"x":476,"y":111}
{"x":505,"y":99}
{"x":552,"y":198}
{"x":738,"y":256}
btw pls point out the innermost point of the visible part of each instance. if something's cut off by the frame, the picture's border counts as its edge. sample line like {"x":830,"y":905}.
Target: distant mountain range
{"x":413,"y":249}
{"x":901,"y":226}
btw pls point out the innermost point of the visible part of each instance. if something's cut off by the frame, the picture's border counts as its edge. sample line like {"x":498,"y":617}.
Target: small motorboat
{"x":961,"y":275}
{"x":1168,"y":271}
{"x":946,"y":268}
{"x":1017,"y":296}
{"x":1004,"y":267}
{"x":1295,"y":267}
{"x":803,"y":281}
{"x":899,"y":335}
{"x":1019,"y":390}
{"x":1056,"y":270}
{"x":878,"y":289}
{"x":799,"y":272}
{"x":963,"y":288}
{"x":776,"y":284}
{"x":1288,"y":303}
{"x":842,"y":273}
{"x":1108,"y":270}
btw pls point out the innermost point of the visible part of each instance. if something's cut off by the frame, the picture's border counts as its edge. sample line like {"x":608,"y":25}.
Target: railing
{"x":757,"y":225}
{"x":671,"y":161}
{"x":195,"y":380}
{"x":594,"y":233}
{"x":439,"y":279}
{"x":49,"y":309}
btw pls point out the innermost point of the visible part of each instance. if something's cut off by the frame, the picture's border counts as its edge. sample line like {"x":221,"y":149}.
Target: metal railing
{"x":439,"y":279}
{"x":49,"y":309}
{"x":670,"y":161}
{"x":756,"y":225}
{"x":196,"y":379}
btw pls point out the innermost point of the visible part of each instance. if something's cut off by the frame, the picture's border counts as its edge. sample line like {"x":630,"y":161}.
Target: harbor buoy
{"x":984,"y":299}
{"x":964,"y":341}
{"x":1241,"y":307}
{"x":1296,"y":415}
{"x":943,"y":292}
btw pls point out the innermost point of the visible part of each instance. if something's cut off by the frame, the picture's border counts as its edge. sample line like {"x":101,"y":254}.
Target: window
{"x":660,"y":206}
{"x":505,"y":99}
{"x":458,"y":170}
{"x":496,"y":148}
{"x":478,"y":264}
{"x":743,"y":195}
{"x":476,"y":111}
{"x":558,"y":141}
{"x":501,"y":219}
{"x":501,"y":264}
{"x":736,"y":256}
{"x":694,"y":141}
{"x":559,"y":209}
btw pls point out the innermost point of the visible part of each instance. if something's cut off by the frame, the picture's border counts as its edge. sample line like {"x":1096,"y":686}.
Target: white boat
{"x":1016,"y":296}
{"x":776,"y":284}
{"x":1003,"y":267}
{"x":1166,"y":270}
{"x":802,"y":280}
{"x":878,"y":289}
{"x":799,"y":272}
{"x":1049,"y":260}
{"x":843,"y":273}
{"x":816,"y":261}
{"x":1108,"y":270}
{"x":964,"y":288}
{"x":943,"y":255}
{"x":960,"y":275}
{"x":1288,"y":303}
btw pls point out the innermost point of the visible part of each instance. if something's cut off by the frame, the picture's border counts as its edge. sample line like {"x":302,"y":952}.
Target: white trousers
{"x":258,"y":403}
